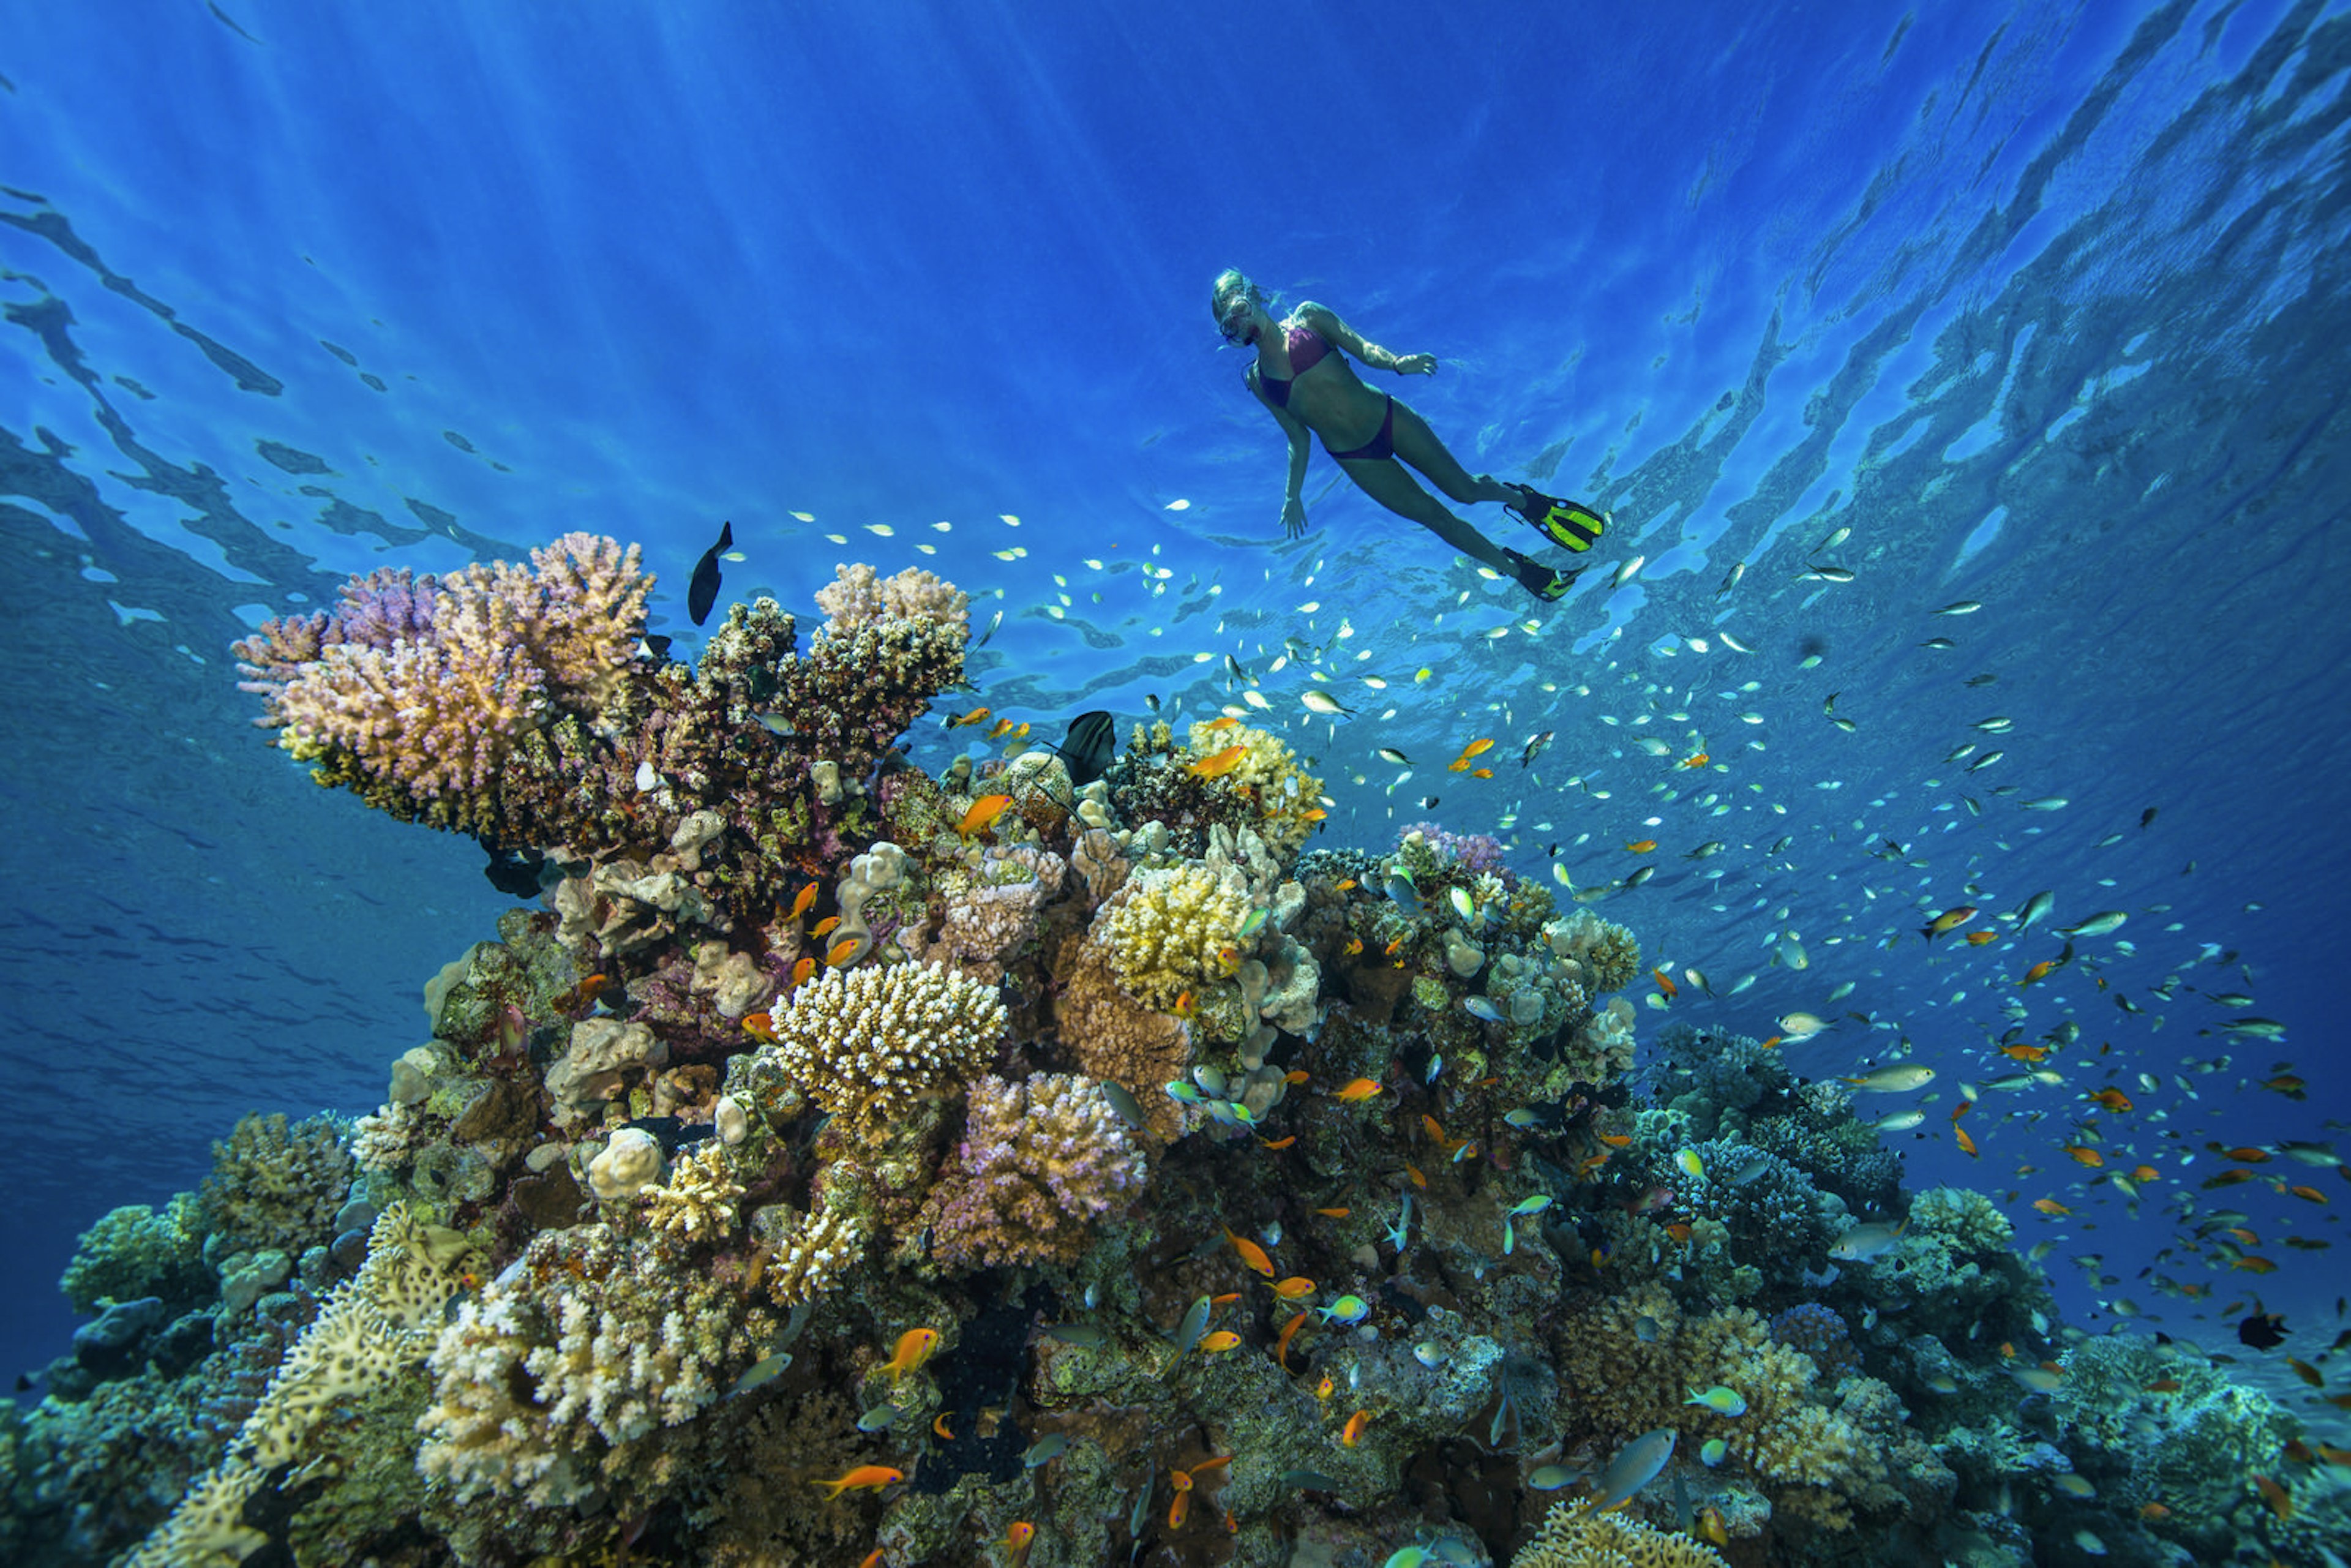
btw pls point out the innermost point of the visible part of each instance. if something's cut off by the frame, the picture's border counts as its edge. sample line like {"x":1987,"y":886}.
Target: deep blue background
{"x":2044,"y":303}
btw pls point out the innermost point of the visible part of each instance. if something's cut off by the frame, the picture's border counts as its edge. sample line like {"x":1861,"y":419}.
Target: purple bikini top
{"x":1306,"y":350}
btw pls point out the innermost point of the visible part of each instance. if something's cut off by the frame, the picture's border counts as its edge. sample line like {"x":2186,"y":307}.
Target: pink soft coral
{"x":426,"y":684}
{"x":1040,"y":1165}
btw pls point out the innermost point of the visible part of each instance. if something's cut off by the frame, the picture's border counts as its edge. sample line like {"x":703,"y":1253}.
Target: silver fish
{"x":1635,"y":1465}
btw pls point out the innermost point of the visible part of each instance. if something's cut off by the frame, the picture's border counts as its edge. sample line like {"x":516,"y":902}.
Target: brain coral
{"x":869,"y":1045}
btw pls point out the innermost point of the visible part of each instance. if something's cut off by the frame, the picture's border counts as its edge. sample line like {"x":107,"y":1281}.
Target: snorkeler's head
{"x":1229,"y":302}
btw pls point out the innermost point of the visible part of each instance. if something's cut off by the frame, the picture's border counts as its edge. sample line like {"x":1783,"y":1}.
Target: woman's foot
{"x":1571,"y":524}
{"x":1540,"y":579}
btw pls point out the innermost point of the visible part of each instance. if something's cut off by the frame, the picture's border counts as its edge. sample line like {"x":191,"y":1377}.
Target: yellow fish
{"x":1222,"y":763}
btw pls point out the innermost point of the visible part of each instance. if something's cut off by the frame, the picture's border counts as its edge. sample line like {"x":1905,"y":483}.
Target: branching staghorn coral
{"x":871,"y":1045}
{"x":549,"y":1382}
{"x":432,"y":702}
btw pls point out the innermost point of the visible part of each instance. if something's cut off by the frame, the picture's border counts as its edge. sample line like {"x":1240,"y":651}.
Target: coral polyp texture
{"x":837,"y":1161}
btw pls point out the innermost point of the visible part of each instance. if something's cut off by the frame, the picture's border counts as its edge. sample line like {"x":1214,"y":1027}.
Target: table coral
{"x":1040,"y":1165}
{"x":366,"y":1330}
{"x":871,"y":1044}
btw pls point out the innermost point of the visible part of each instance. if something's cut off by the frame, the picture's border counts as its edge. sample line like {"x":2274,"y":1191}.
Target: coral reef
{"x":836,"y":1156}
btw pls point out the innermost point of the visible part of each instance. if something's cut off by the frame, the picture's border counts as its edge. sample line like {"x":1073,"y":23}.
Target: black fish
{"x":2262,"y":1331}
{"x":655,"y":646}
{"x":703,"y":591}
{"x":1086,"y":749}
{"x":513,"y":873}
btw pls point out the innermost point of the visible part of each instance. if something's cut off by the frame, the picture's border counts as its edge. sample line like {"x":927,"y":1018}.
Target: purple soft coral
{"x":1040,"y":1163}
{"x":1471,"y":851}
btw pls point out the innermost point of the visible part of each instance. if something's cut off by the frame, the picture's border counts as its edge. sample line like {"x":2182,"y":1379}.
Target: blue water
{"x":2046,"y":304}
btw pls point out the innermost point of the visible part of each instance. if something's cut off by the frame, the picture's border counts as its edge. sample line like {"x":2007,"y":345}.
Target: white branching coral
{"x":699,"y":1201}
{"x":856,"y":597}
{"x":365,"y":1331}
{"x":869,"y":1045}
{"x":583,"y":1347}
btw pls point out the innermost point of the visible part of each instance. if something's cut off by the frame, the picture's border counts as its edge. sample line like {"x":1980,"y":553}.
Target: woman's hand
{"x":1416,"y":364}
{"x":1293,"y":518}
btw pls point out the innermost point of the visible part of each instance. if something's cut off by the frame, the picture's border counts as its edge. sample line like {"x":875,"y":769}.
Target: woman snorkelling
{"x":1306,"y":387}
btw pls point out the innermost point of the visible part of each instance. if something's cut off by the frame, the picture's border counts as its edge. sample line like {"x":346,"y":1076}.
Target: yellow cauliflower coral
{"x":1812,"y":1459}
{"x":1289,"y":799}
{"x":1167,"y":931}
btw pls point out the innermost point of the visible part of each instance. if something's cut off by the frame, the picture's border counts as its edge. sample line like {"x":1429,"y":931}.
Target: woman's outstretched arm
{"x":1326,"y":323}
{"x":1293,"y":489}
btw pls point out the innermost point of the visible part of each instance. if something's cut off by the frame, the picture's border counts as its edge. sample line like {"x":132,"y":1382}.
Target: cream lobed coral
{"x":1600,"y":955}
{"x":869,"y":1045}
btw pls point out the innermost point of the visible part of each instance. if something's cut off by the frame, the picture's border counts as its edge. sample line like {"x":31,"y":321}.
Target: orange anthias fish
{"x":1978,"y":938}
{"x":2050,"y":1206}
{"x":2085,"y":1155}
{"x":1221,"y":1341}
{"x":1474,"y":749}
{"x":1281,"y":1342}
{"x":2027,"y":1054}
{"x":1700,"y":760}
{"x":1251,"y":1253}
{"x":1360,"y":1090}
{"x":802,"y":970}
{"x":1217,"y":766}
{"x":2038,"y":972}
{"x":1018,"y":1538}
{"x":974,"y":717}
{"x":1352,"y":1433}
{"x":1967,"y":1145}
{"x":802,"y":904}
{"x":842,"y":952}
{"x":825,"y":927}
{"x":1227,"y":722}
{"x":864,"y":1478}
{"x":2112,"y":1099}
{"x":984,"y":810}
{"x":760,"y":1027}
{"x":1640,"y":846}
{"x":1296,"y":1285}
{"x":914,"y":1347}
{"x":1665,"y":984}
{"x":1003,"y":726}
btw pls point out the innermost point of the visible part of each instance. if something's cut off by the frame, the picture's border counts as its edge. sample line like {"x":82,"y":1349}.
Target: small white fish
{"x":1324,"y":703}
{"x":1178,"y":505}
{"x":1624,"y":573}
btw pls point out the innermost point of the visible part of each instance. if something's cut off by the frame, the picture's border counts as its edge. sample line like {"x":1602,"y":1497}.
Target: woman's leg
{"x":1417,"y":444}
{"x":1383,"y":479}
